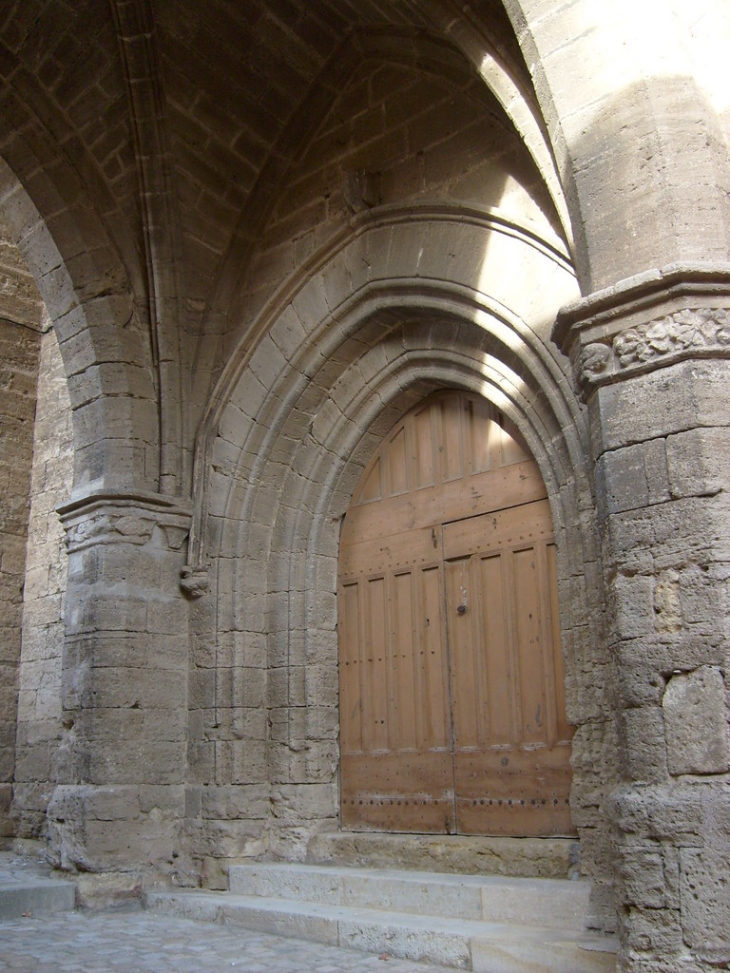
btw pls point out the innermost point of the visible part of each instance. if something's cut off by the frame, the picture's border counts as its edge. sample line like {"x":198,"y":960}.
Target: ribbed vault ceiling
{"x":229,"y":76}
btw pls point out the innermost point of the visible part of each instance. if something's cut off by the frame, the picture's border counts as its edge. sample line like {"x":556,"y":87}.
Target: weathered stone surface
{"x":703,"y":885}
{"x":525,"y":857}
{"x":696,"y":725}
{"x":21,"y":313}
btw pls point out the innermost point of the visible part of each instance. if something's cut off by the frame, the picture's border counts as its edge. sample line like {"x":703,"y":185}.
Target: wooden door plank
{"x":454,"y":501}
{"x":381,"y":802}
{"x":397,"y":464}
{"x":515,"y":791}
{"x":501,"y":530}
{"x":406,"y":699}
{"x":563,"y":730}
{"x":375,"y":669}
{"x":395,"y":552}
{"x":463,"y":626}
{"x":499,"y":689}
{"x":435,"y":713}
{"x":424,"y":450}
{"x":529,"y":650}
{"x":451,"y":445}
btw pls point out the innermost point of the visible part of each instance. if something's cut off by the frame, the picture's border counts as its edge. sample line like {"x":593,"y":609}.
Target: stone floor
{"x":140,"y":942}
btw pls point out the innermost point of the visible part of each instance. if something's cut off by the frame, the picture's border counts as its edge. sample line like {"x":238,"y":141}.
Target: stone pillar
{"x":119,"y":803}
{"x":651,"y":357}
{"x":19,"y":344}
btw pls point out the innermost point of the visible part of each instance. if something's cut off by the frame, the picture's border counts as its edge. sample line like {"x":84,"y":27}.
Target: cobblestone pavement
{"x":140,"y":942}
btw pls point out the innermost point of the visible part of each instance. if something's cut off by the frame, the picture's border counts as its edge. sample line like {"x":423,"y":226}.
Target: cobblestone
{"x":139,"y":942}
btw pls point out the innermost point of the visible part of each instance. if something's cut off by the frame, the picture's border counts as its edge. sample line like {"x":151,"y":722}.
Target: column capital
{"x":124,"y":517}
{"x":646,"y":322}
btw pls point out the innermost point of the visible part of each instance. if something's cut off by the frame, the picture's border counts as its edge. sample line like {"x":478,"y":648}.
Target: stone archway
{"x":362,"y":335}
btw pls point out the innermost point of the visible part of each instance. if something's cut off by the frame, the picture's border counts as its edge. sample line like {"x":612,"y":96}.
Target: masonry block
{"x":696,"y":723}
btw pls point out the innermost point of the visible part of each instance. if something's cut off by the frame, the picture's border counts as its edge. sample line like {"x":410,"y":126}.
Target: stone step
{"x":483,"y":947}
{"x":484,"y":923}
{"x":26,"y":888}
{"x":554,"y":903}
{"x":462,"y":854}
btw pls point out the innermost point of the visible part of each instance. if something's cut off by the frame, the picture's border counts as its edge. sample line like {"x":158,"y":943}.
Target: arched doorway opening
{"x":452,"y":706}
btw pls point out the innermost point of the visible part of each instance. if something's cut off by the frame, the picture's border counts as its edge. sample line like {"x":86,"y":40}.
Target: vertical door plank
{"x":375,"y":682}
{"x":423,"y":449}
{"x":499,"y":689}
{"x":397,"y":463}
{"x":529,"y":647}
{"x":464,"y":656}
{"x":436,"y":720}
{"x":405,"y":691}
{"x":451,"y":446}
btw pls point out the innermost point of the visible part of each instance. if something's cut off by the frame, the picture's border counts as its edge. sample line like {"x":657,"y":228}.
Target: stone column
{"x":119,"y":804}
{"x":651,"y":357}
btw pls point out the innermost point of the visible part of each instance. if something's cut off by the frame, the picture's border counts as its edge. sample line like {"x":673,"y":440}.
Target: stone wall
{"x":20,"y":316}
{"x":39,"y":707}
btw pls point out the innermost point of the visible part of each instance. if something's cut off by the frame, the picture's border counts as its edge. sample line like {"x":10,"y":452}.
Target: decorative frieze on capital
{"x":693,"y":332}
{"x":117,"y":517}
{"x":648,"y":323}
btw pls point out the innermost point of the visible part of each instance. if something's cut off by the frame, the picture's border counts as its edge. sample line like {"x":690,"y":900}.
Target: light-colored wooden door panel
{"x":493,"y":490}
{"x":392,"y":552}
{"x":529,"y":646}
{"x":451,"y":447}
{"x":432,"y":663}
{"x":451,"y":672}
{"x":500,"y":676}
{"x":406,"y":696}
{"x":500,"y":530}
{"x":516,"y":791}
{"x":407,"y":792}
{"x":396,"y":768}
{"x":511,"y":765}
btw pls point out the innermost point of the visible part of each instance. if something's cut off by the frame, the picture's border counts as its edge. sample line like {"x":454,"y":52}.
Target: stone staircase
{"x":27,"y":888}
{"x":484,"y":923}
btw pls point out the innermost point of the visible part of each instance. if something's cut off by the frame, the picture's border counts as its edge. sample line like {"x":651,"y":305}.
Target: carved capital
{"x":116,"y":517}
{"x":649,"y":322}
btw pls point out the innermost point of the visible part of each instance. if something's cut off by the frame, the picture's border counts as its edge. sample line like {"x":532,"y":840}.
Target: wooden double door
{"x":452,"y":708}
